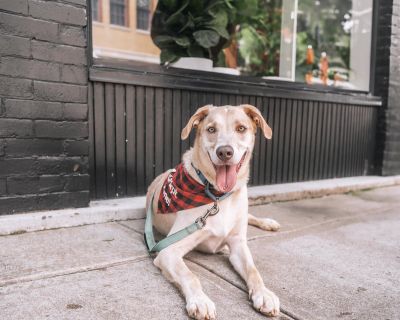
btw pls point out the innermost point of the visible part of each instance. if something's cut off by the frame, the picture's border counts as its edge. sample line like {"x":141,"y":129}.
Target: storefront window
{"x":333,"y":42}
{"x":324,"y":42}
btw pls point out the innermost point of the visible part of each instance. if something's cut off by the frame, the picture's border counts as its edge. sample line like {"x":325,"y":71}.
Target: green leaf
{"x":228,"y":4}
{"x":177,"y":15}
{"x":221,"y":31}
{"x":169,"y":3}
{"x":196,"y":51}
{"x":162,"y":40}
{"x":183,"y":41}
{"x":189,"y":24}
{"x":196,"y":5}
{"x":167,"y":56}
{"x":206,"y":38}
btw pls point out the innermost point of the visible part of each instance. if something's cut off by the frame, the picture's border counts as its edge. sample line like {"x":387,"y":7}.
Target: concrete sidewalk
{"x":336,"y":257}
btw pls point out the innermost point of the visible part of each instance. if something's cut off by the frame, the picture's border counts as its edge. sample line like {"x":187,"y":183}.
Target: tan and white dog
{"x":222,"y":152}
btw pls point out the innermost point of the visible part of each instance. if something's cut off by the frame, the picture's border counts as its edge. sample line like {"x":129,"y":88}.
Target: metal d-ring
{"x":201,"y":221}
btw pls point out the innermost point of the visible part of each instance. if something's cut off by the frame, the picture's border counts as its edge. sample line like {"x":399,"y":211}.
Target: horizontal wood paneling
{"x":135,"y":135}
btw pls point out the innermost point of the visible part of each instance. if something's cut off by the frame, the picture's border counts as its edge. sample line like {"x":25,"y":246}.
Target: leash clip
{"x":201,"y":221}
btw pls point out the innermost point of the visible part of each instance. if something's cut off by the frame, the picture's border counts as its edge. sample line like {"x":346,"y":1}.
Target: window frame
{"x":149,"y":17}
{"x":204,"y":77}
{"x":99,"y":11}
{"x":126,"y":15}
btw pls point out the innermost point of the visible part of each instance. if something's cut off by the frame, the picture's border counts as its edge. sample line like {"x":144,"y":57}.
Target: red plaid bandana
{"x":181,"y":192}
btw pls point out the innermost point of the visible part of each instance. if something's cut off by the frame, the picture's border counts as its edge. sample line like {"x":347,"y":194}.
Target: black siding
{"x":136,"y":135}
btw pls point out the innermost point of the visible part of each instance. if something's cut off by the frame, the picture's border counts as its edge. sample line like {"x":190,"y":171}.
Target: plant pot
{"x":227,"y":71}
{"x":201,"y":64}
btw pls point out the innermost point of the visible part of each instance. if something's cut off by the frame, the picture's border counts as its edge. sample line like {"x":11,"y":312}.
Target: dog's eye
{"x":241,"y":129}
{"x":211,"y":129}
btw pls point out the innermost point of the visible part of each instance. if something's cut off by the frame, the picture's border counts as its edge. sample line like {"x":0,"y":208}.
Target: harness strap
{"x":152,"y":245}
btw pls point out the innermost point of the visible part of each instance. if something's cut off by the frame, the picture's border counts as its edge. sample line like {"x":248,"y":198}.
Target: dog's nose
{"x":225,"y":153}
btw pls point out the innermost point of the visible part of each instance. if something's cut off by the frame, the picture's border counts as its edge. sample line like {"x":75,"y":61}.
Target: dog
{"x":221,"y":153}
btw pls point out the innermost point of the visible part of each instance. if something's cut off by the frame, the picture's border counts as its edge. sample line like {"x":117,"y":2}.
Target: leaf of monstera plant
{"x":206,"y":38}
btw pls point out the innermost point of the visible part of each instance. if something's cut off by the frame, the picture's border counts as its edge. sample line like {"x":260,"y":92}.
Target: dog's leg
{"x":263,"y":299}
{"x":264,"y":223}
{"x":170,"y":261}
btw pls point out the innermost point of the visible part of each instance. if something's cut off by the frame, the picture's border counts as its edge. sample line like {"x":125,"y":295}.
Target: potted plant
{"x":192,"y":33}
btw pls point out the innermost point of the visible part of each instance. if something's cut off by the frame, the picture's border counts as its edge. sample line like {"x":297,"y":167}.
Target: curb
{"x":133,"y":208}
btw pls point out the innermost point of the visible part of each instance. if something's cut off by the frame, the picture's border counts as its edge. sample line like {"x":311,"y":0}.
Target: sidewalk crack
{"x":70,"y":271}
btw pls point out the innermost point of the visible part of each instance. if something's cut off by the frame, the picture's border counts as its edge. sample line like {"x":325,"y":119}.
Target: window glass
{"x":334,"y":42}
{"x":324,"y":42}
{"x":95,"y":10}
{"x":118,"y":12}
{"x":143,"y":15}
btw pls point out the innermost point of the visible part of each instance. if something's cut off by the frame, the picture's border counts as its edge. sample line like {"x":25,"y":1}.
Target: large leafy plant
{"x":192,"y":28}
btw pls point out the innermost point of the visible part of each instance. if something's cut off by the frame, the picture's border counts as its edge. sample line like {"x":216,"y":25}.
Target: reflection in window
{"x":317,"y":42}
{"x":96,"y":12}
{"x":129,"y":43}
{"x":118,"y":12}
{"x":334,"y":42}
{"x":143,"y":15}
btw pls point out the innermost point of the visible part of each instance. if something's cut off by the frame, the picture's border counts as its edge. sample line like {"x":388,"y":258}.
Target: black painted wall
{"x":387,"y":86}
{"x":135,"y":132}
{"x":43,"y":105}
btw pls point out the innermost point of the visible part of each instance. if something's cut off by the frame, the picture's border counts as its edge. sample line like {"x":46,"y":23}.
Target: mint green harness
{"x":153,"y":246}
{"x":199,"y":223}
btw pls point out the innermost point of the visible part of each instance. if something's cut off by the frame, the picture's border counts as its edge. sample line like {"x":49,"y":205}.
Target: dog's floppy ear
{"x":194,"y":121}
{"x":258,"y":119}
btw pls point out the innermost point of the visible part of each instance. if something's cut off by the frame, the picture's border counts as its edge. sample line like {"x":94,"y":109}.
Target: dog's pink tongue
{"x":226,"y":178}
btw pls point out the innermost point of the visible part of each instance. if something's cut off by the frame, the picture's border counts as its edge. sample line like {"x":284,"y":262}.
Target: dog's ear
{"x":194,"y":121}
{"x":258,"y":119}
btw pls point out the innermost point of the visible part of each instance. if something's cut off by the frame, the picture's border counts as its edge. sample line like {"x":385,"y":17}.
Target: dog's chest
{"x":231,"y":218}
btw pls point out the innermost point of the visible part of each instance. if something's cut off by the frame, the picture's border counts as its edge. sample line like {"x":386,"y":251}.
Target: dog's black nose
{"x":225,"y":153}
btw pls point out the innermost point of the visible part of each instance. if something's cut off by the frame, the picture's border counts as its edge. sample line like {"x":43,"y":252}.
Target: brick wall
{"x":43,"y":105}
{"x":391,"y":155}
{"x":387,"y":86}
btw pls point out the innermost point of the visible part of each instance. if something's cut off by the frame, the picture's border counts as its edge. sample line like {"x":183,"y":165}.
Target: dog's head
{"x":224,"y":142}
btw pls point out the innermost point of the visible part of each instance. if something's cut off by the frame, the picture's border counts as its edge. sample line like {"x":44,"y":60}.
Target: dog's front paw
{"x":201,"y":307}
{"x":265,"y":301}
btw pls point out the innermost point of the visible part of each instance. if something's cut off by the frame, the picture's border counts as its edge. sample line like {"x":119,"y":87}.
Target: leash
{"x":199,"y":223}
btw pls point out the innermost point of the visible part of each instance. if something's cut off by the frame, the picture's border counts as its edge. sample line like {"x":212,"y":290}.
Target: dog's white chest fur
{"x":231,"y":217}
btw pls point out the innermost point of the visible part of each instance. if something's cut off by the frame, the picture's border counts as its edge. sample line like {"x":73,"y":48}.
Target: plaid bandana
{"x":181,"y":192}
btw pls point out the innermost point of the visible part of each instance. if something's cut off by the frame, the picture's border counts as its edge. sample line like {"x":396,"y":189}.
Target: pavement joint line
{"x":121,"y":223}
{"x":70,"y":271}
{"x":316,"y":225}
{"x":282,"y":310}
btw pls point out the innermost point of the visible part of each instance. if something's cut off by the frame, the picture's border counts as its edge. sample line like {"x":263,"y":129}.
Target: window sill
{"x":99,"y":24}
{"x":146,"y":32}
{"x":136,"y":73}
{"x":121,"y":28}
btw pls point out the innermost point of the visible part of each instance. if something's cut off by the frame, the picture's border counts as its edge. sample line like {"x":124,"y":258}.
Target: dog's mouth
{"x":226,"y":175}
